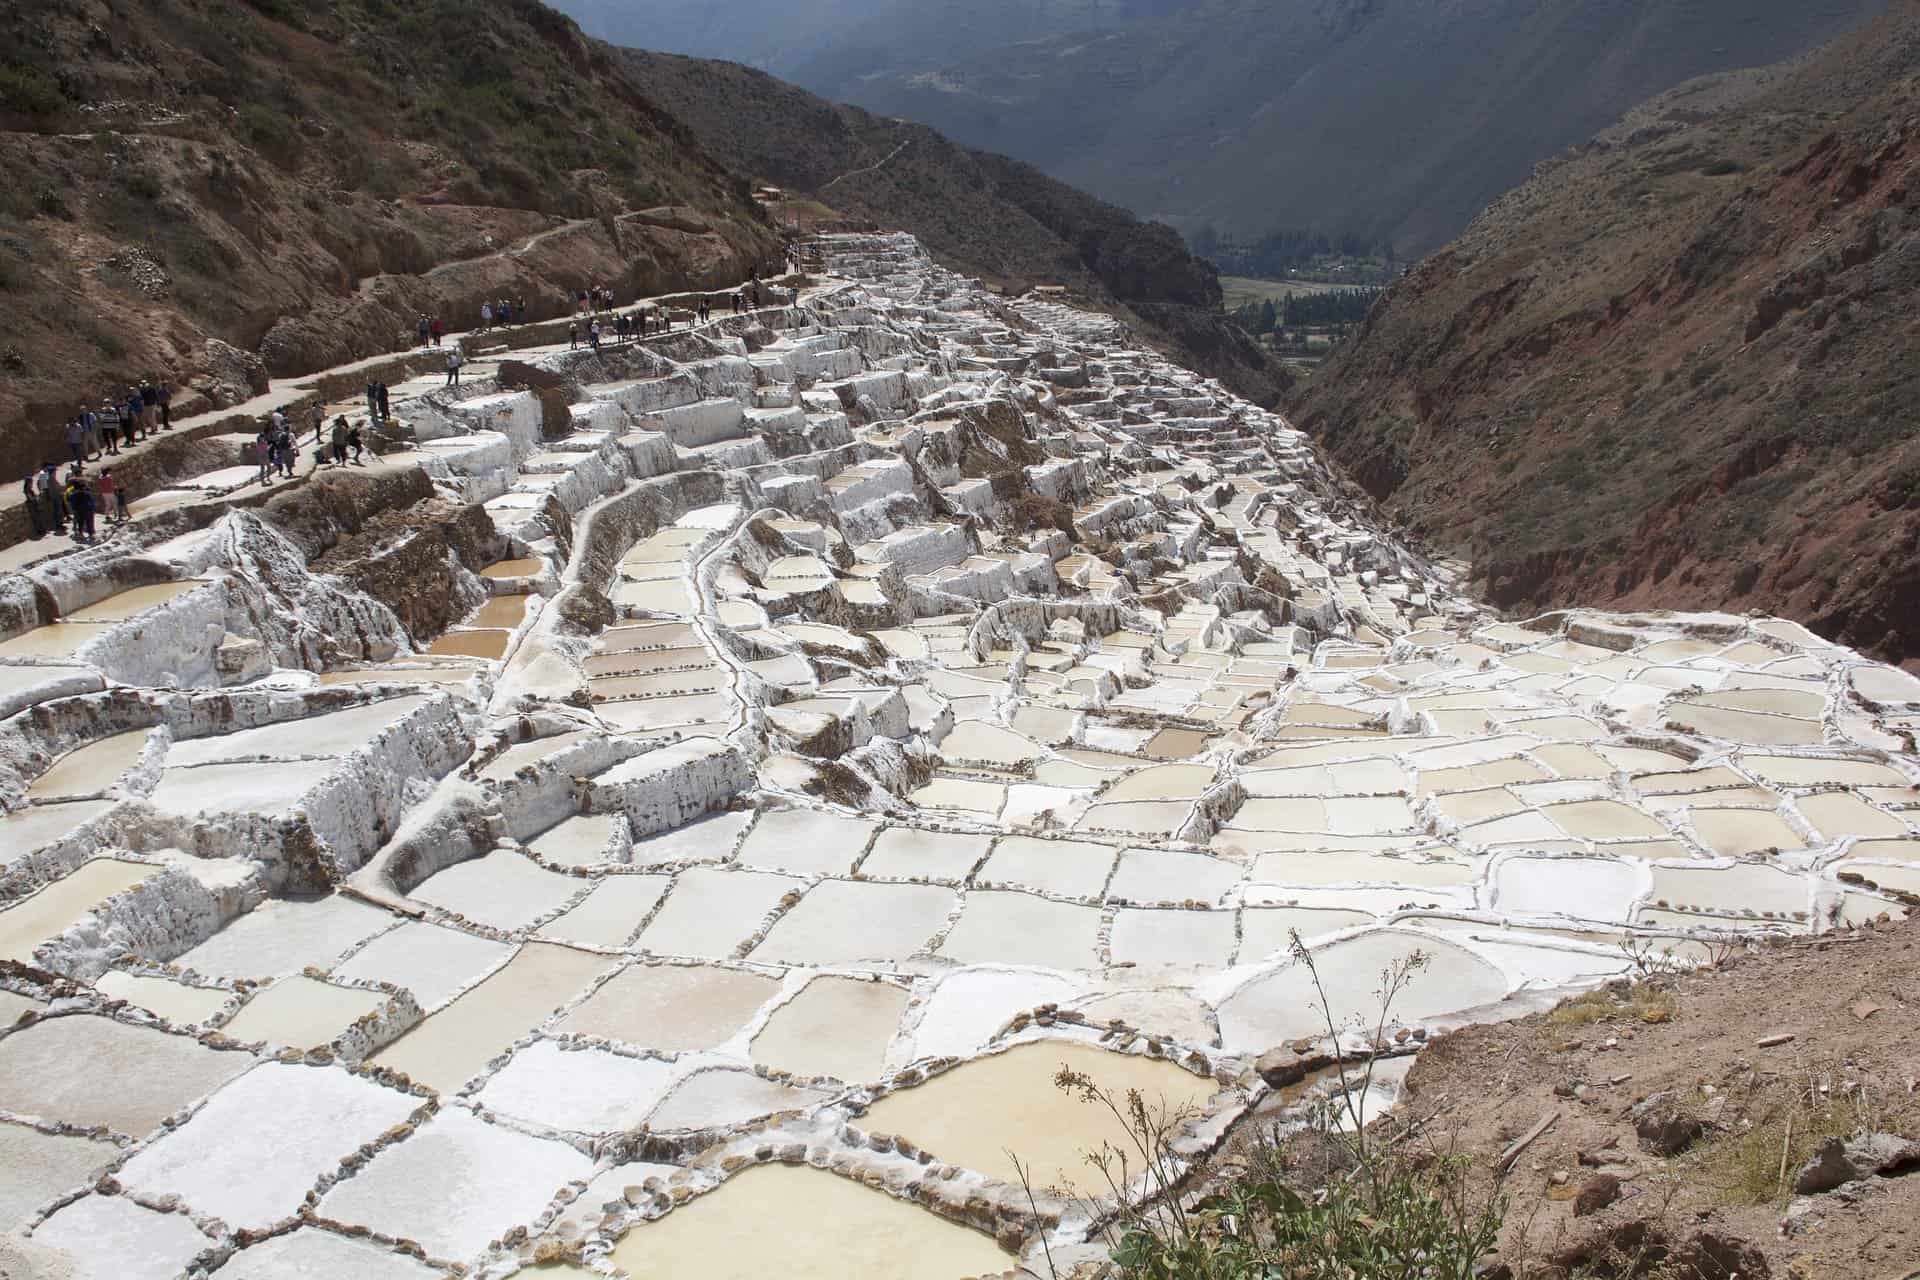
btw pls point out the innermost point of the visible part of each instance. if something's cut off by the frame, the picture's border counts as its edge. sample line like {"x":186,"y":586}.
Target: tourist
{"x":520,"y":310}
{"x":353,"y":442}
{"x":573,"y":334}
{"x":109,"y":493}
{"x":80,"y":501}
{"x":50,"y":498}
{"x":706,"y":309}
{"x":318,"y":417}
{"x":620,"y":329}
{"x":263,"y":454}
{"x":453,"y":366}
{"x":90,"y":430}
{"x":149,"y":406}
{"x":129,"y":428}
{"x":76,"y":440}
{"x":373,"y":398}
{"x":386,"y":407}
{"x":340,"y":442}
{"x":486,"y":316}
{"x":137,"y":412}
{"x":437,"y":329}
{"x":283,"y":447}
{"x":422,"y":328}
{"x":109,"y":427}
{"x":164,"y":395}
{"x":121,"y":511}
{"x":33,"y":508}
{"x":593,"y":334}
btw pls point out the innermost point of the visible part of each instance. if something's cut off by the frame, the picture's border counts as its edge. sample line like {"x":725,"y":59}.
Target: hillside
{"x":304,"y":180}
{"x":1396,"y":120}
{"x":1677,"y":366}
{"x":978,"y":213}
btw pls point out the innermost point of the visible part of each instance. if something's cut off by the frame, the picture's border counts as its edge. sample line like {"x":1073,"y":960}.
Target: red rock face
{"x":1669,"y":367}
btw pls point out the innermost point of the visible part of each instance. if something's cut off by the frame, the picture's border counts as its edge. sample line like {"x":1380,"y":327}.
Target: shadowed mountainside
{"x":979,"y":213}
{"x":303,"y":181}
{"x":1677,"y":367}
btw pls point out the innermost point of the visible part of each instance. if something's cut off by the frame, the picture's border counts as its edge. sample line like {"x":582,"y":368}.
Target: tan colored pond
{"x":501,"y":611}
{"x":54,"y":909}
{"x":526,"y":567}
{"x":471,"y":644}
{"x":91,"y":769}
{"x":133,"y":603}
{"x":447,"y":1049}
{"x":174,"y":1001}
{"x":836,"y":1027}
{"x":300,"y":1013}
{"x":673,"y":1008}
{"x":977,"y":1113}
{"x":789,"y":1209}
{"x":55,"y":640}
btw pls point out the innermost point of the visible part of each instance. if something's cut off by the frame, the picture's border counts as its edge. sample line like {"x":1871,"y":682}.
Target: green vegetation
{"x":29,"y":90}
{"x":1343,"y":1199}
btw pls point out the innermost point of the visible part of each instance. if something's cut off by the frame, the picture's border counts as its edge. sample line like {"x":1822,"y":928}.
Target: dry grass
{"x":1784,"y":1121}
{"x":1644,"y":1003}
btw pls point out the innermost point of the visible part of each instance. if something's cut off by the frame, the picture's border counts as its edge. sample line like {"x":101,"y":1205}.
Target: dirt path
{"x":872,"y":168}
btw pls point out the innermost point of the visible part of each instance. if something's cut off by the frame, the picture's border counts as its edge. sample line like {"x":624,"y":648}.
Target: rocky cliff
{"x":303,"y":181}
{"x":1678,"y":364}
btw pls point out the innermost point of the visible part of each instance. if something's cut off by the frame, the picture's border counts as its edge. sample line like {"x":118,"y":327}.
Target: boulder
{"x":1838,"y":1161}
{"x":230,"y":376}
{"x":1596,"y":1193}
{"x":1665,"y":1126}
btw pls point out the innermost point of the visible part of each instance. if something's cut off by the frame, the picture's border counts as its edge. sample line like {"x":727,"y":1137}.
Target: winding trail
{"x":884,"y":161}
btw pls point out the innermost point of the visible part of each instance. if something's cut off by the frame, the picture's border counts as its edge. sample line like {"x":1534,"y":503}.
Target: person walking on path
{"x":137,"y":412}
{"x":373,"y":398}
{"x":340,"y":442}
{"x":33,"y":508}
{"x":486,"y":316}
{"x":593,"y":335}
{"x":421,"y":328}
{"x":163,"y":394}
{"x":573,"y":334}
{"x":80,"y":499}
{"x":150,"y":405}
{"x":90,"y":428}
{"x":263,"y":454}
{"x":453,"y":367}
{"x":111,"y":502}
{"x":76,"y":440}
{"x":353,"y":442}
{"x":109,"y":425}
{"x":386,"y":409}
{"x":706,"y":309}
{"x":129,"y":429}
{"x":437,"y":330}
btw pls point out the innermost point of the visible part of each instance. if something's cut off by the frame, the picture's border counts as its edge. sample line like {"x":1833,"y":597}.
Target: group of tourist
{"x":503,"y":312}
{"x":122,"y":419}
{"x":54,"y":501}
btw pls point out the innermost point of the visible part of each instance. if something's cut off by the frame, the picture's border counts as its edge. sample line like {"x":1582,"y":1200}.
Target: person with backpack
{"x":263,"y":454}
{"x":593,"y":334}
{"x":137,"y":412}
{"x":149,"y":406}
{"x":109,"y":427}
{"x":76,"y":440}
{"x":340,"y":442}
{"x":283,"y":447}
{"x":80,"y":501}
{"x":386,"y":408}
{"x":129,"y":428}
{"x":373,"y":397}
{"x":353,"y":442}
{"x":453,"y":366}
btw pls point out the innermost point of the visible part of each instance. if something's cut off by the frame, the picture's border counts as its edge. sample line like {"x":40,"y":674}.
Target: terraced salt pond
{"x":806,"y":811}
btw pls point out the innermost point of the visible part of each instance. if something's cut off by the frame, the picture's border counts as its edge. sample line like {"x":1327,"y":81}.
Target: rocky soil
{"x":1670,"y":1103}
{"x":1675,"y":364}
{"x":191,"y":184}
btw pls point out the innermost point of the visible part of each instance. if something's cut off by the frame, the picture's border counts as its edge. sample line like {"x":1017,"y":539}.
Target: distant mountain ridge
{"x":1396,"y":119}
{"x":1677,"y":367}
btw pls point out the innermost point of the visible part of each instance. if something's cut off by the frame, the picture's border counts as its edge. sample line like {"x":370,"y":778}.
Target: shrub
{"x":271,"y":132}
{"x":30,"y":90}
{"x":1382,"y":1209}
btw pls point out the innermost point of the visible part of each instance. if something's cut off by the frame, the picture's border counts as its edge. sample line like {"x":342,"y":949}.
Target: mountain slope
{"x":304,"y":180}
{"x":979,"y":213}
{"x":1677,"y":365}
{"x":1393,"y":119}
